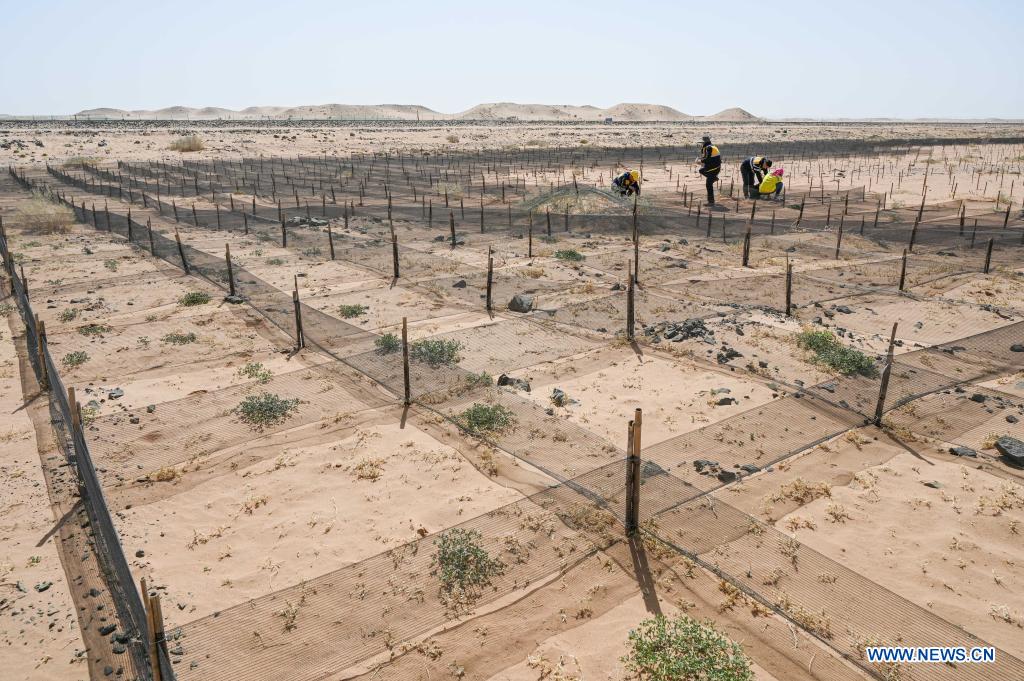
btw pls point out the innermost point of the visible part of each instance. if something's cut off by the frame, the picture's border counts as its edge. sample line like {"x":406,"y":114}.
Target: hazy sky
{"x":786,"y":58}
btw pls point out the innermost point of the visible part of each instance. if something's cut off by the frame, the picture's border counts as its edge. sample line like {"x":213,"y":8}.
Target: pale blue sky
{"x":786,"y":58}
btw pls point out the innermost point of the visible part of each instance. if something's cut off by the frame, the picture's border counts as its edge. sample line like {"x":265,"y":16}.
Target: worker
{"x":627,"y":183}
{"x":710,"y":165}
{"x":771,"y":184}
{"x":753,"y":170}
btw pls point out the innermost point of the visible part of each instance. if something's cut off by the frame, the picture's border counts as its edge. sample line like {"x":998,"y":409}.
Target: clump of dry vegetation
{"x":40,"y":216}
{"x":463,"y":566}
{"x":187,"y":143}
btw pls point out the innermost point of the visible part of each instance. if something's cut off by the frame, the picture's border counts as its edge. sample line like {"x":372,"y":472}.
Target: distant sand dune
{"x":411,"y":112}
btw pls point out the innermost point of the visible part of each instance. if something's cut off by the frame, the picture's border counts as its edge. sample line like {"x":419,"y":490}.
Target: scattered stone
{"x":150,"y":408}
{"x":1010,"y":418}
{"x":115,"y":393}
{"x":843,"y":309}
{"x":978,"y":397}
{"x":726,"y":401}
{"x":521,"y":303}
{"x":750,"y":468}
{"x":43,"y":586}
{"x":1017,"y":347}
{"x":140,"y":553}
{"x":726,"y":476}
{"x":1011,"y":448}
{"x":934,"y":484}
{"x":963,"y":451}
{"x":107,"y":629}
{"x":559,"y":398}
{"x":461,"y":283}
{"x":701,"y":464}
{"x":517,"y":383}
{"x":234,"y":300}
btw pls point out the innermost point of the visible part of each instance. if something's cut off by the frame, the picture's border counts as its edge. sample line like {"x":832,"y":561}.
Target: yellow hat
{"x":634,"y":175}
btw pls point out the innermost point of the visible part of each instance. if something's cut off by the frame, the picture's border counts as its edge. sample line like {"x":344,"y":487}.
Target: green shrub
{"x":435,"y":352}
{"x":387,"y":344}
{"x":111,"y":264}
{"x":486,"y":418}
{"x":463,"y":566}
{"x":266,"y":409}
{"x":75,"y":359}
{"x":6,"y":309}
{"x":350,"y":311}
{"x":175,"y":338}
{"x":274,"y":261}
{"x":683,"y":649}
{"x":256,"y":371}
{"x":828,"y":351}
{"x":313,"y":252}
{"x":67,"y":315}
{"x":570,"y":255}
{"x":193,"y":298}
{"x":31,"y":244}
{"x":94,"y":329}
{"x":480,"y":380}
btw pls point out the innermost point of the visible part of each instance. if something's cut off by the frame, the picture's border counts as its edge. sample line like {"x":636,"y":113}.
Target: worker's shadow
{"x":642,"y":570}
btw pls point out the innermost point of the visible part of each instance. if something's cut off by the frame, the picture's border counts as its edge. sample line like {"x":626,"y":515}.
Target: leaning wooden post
{"x":231,"y":272}
{"x":490,"y":276}
{"x":789,"y":288}
{"x":394,"y":253}
{"x":839,"y":235}
{"x":151,"y":644}
{"x":330,"y":240}
{"x":284,"y":236}
{"x":195,"y":218}
{"x":451,"y":225}
{"x":746,"y":246}
{"x":988,"y":255}
{"x":44,"y":381}
{"x":130,"y":239}
{"x":175,"y":207}
{"x":913,"y":237}
{"x":405,"y":361}
{"x":481,"y":214}
{"x":149,"y":231}
{"x":903,"y":270}
{"x":800,"y":217}
{"x":884,"y":385}
{"x":547,"y":212}
{"x":181,"y":252}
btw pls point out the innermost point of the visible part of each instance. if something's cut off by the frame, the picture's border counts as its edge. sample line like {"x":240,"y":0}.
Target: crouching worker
{"x":772,"y":184}
{"x":753,"y":170}
{"x":628,"y":183}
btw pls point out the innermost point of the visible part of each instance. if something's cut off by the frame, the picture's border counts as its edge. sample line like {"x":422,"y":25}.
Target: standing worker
{"x":710,"y":165}
{"x":753,"y":171}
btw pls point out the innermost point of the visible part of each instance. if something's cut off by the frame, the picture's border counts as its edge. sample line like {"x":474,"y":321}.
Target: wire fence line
{"x":988,"y":356}
{"x":108,"y":548}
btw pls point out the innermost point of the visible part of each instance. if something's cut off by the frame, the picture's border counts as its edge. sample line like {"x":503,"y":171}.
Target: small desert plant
{"x":40,"y":216}
{"x":435,"y":352}
{"x":486,"y":418}
{"x":570,"y":255}
{"x":312,"y":252}
{"x":75,"y":359}
{"x":452,"y":139}
{"x":274,"y":261}
{"x":255,"y":371}
{"x":94,"y":329}
{"x":193,"y":298}
{"x":111,"y":264}
{"x":187,"y":143}
{"x":266,"y":409}
{"x":479,"y":380}
{"x":830,"y":352}
{"x":350,"y":311}
{"x":6,"y":309}
{"x":175,"y":338}
{"x":663,"y":649}
{"x":463,"y":565}
{"x":67,"y":315}
{"x":387,"y":344}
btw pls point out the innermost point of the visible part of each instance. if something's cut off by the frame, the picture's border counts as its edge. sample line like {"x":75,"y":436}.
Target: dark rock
{"x":726,"y":401}
{"x":115,"y":393}
{"x":1011,"y":448}
{"x":234,"y":300}
{"x":461,"y":283}
{"x":43,"y":586}
{"x":726,"y":476}
{"x":1017,"y":347}
{"x":521,"y":303}
{"x":1010,"y":418}
{"x":134,"y":420}
{"x":517,"y":383}
{"x":150,"y":409}
{"x":750,"y":468}
{"x":559,"y":398}
{"x":140,"y":553}
{"x":701,"y":464}
{"x":844,"y":309}
{"x":963,"y":451}
{"x":978,"y":397}
{"x":934,"y":484}
{"x":107,"y":629}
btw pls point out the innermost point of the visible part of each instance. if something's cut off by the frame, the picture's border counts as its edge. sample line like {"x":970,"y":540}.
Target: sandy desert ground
{"x":305,"y":544}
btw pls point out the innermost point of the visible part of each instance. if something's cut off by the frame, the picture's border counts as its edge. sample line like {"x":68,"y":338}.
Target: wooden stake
{"x":903,"y":270}
{"x":789,"y":288}
{"x":181,"y":252}
{"x":988,"y":255}
{"x":405,"y":361}
{"x":490,"y":276}
{"x":746,"y":246}
{"x":299,"y":337}
{"x":633,"y":475}
{"x":231,"y":272}
{"x":451,"y":225}
{"x":330,"y":240}
{"x":394,"y":252}
{"x":839,"y":235}
{"x":884,"y":385}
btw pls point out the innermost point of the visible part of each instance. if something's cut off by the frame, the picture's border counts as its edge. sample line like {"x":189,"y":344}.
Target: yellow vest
{"x":768,"y":184}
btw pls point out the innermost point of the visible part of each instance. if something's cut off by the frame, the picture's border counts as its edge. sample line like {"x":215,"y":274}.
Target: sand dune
{"x":490,"y":111}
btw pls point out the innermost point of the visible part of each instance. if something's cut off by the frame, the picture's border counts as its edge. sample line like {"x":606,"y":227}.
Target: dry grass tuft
{"x":187,"y":143}
{"x":40,"y":216}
